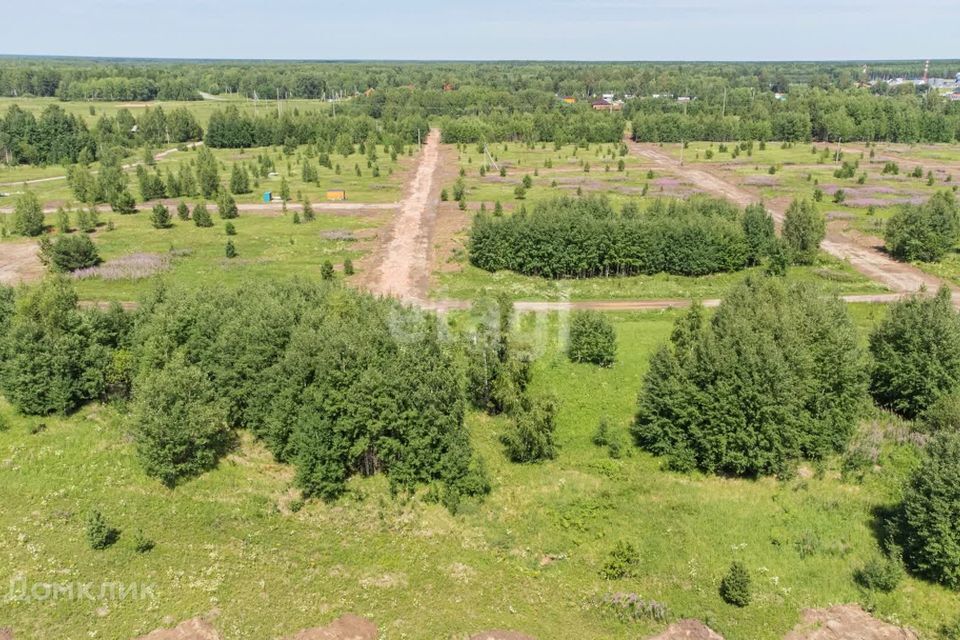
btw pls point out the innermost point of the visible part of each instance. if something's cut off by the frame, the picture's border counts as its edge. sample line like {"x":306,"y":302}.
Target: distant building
{"x":603,"y":105}
{"x":569,"y":100}
{"x":447,"y":86}
{"x":336,"y":194}
{"x":608,"y":97}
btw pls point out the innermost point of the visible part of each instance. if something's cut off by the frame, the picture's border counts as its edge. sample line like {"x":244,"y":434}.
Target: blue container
{"x":267,"y":196}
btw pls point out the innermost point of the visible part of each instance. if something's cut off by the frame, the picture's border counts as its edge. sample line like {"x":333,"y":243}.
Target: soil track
{"x":862,"y":254}
{"x":19,"y":262}
{"x":403,"y":258}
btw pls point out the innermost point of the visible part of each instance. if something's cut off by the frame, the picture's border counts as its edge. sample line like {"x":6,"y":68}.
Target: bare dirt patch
{"x":688,"y":630}
{"x":346,"y":627}
{"x":846,"y":622}
{"x":192,"y":629}
{"x":500,"y":635}
{"x":19,"y":262}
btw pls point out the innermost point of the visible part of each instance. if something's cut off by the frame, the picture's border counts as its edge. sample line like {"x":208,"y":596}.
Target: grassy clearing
{"x":528,"y":558}
{"x":268,"y":246}
{"x":471,"y":281}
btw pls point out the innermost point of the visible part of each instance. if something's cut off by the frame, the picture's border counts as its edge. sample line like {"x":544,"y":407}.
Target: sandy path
{"x":403,"y":261}
{"x":19,"y":262}
{"x":863,"y":257}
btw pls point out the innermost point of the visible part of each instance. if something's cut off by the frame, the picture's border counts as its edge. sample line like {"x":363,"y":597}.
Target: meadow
{"x":527,"y":558}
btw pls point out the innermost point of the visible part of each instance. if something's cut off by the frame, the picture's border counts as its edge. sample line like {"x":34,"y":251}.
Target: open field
{"x":525,"y":559}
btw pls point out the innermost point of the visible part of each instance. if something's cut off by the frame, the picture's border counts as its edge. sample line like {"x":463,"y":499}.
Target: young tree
{"x":930,"y":512}
{"x":759,"y":231}
{"x":100,"y":534}
{"x":201,"y":215}
{"x":531,"y":437}
{"x":183,"y":211}
{"x":63,"y":220}
{"x":804,"y":228}
{"x":230,"y":251}
{"x":69,"y":253}
{"x":592,"y":339}
{"x":348,"y":267}
{"x":179,"y":422}
{"x":160,"y":217}
{"x":208,"y":175}
{"x":916,"y":353}
{"x":326,"y":270}
{"x":735,"y":586}
{"x":239,"y":179}
{"x":123,"y":202}
{"x":226,"y":205}
{"x":28,"y":215}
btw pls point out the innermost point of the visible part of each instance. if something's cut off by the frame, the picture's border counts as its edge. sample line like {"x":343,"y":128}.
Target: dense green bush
{"x":160,"y":217}
{"x":623,"y":562}
{"x":775,"y":375}
{"x":804,"y":228}
{"x":179,"y":423}
{"x":69,"y":253}
{"x":943,"y":414}
{"x":531,"y":436}
{"x":100,"y":534}
{"x":28,"y":215}
{"x":916,"y":353}
{"x":54,"y":355}
{"x":592,"y":339}
{"x":586,"y":237}
{"x":881,"y":574}
{"x":759,"y":231}
{"x":930,"y":512}
{"x":735,"y":585}
{"x":498,"y":370}
{"x":924,"y":232}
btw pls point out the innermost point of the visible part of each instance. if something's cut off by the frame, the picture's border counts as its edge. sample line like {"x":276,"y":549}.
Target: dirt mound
{"x":689,"y":630}
{"x":845,"y":622}
{"x":346,"y":627}
{"x":500,"y":635}
{"x":192,"y":629}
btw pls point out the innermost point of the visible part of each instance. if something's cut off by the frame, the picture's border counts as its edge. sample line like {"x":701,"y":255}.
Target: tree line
{"x":587,"y":237}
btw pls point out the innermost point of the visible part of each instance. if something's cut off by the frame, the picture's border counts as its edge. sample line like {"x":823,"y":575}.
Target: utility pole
{"x":418,"y":137}
{"x":837,"y":160}
{"x":723,"y":111}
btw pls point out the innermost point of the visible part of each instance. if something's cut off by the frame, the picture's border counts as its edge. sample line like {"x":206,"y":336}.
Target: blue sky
{"x":486,"y":29}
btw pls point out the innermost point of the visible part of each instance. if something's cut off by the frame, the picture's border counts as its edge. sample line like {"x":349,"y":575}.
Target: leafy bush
{"x":881,"y":574}
{"x":916,"y":353}
{"x":925,"y":232}
{"x":178,"y":422}
{"x":69,"y":253}
{"x":623,"y":562}
{"x":531,"y":436}
{"x":160,"y":217}
{"x":586,"y":237}
{"x":592,"y":339}
{"x":777,"y":374}
{"x":804,"y":228}
{"x":629,"y":607}
{"x":100,"y":534}
{"x":735,"y":585}
{"x":943,"y":414}
{"x":930,"y":512}
{"x":53,"y":356}
{"x":141,"y":543}
{"x":28,"y":215}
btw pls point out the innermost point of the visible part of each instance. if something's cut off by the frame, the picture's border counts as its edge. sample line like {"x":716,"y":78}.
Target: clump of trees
{"x":586,"y":237}
{"x":334,"y":382}
{"x":916,"y":354}
{"x":925,"y":232}
{"x":776,"y":375}
{"x":592,"y":339}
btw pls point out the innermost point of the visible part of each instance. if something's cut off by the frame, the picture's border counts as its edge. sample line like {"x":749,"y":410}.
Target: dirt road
{"x":19,"y":262}
{"x":862,"y":254}
{"x":403,"y":265}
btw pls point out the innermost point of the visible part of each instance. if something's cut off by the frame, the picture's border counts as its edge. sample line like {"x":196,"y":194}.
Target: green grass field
{"x":527,"y":558}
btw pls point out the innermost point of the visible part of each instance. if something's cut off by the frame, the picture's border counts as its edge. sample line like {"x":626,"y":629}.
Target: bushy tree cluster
{"x":54,"y":356}
{"x":925,"y":232}
{"x":557,"y":124}
{"x":334,"y":382}
{"x":916,"y":354}
{"x":586,"y":237}
{"x":774,"y":376}
{"x":804,"y":228}
{"x":67,"y":253}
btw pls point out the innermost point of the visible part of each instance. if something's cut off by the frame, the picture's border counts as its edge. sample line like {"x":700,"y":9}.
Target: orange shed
{"x":336,"y":194}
